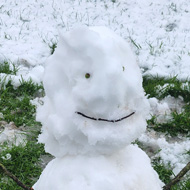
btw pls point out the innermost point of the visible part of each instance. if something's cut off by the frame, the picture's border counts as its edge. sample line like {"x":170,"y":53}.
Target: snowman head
{"x":94,"y":99}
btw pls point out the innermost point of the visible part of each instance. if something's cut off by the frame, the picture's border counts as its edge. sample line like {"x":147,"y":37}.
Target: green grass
{"x":166,"y":175}
{"x":165,"y":172}
{"x":24,"y":164}
{"x":52,"y":47}
{"x":179,"y":124}
{"x":184,"y":185}
{"x":15,"y":103}
{"x":7,"y":68}
{"x":16,"y":107}
{"x":161,"y":88}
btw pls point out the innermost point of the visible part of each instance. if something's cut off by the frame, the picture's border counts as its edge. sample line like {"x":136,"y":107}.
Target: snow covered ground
{"x":159,"y":33}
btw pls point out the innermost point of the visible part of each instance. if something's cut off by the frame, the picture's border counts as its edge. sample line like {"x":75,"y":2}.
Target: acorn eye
{"x":87,"y":75}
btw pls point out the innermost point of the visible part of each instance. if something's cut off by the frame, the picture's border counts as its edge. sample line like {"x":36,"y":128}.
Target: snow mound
{"x":129,"y":169}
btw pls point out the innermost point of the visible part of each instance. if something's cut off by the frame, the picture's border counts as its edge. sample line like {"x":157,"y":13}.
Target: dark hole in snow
{"x":170,"y":27}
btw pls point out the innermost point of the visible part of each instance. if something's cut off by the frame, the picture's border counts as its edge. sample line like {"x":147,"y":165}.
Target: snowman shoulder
{"x":139,"y":164}
{"x":135,"y":153}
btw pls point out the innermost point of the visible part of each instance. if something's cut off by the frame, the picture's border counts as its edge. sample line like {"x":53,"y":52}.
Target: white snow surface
{"x":173,"y":153}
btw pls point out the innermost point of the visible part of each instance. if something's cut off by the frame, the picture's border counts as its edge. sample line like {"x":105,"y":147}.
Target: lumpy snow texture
{"x":112,"y":91}
{"x":129,"y":169}
{"x":93,"y":72}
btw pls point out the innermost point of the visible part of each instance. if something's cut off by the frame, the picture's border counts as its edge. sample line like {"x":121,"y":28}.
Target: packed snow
{"x":94,"y":108}
{"x":158,"y":31}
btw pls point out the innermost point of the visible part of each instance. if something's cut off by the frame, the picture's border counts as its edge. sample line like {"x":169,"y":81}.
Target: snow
{"x":159,"y":33}
{"x":163,"y":109}
{"x":10,"y":134}
{"x":159,"y":28}
{"x":93,"y":74}
{"x":173,"y":153}
{"x":80,"y":172}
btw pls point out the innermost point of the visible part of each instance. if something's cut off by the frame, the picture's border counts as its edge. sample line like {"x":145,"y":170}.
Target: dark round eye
{"x":87,"y":75}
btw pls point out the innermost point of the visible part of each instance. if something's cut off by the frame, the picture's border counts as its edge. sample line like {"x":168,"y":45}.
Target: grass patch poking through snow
{"x":162,"y":87}
{"x":184,"y":185}
{"x":15,"y":102}
{"x":15,"y":106}
{"x":179,"y":123}
{"x":165,"y":172}
{"x":6,"y":68}
{"x":22,"y":161}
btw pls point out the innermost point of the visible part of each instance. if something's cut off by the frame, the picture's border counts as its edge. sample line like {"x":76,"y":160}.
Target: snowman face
{"x":94,"y":98}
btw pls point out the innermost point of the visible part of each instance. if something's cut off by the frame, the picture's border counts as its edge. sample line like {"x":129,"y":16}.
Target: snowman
{"x":93,"y":109}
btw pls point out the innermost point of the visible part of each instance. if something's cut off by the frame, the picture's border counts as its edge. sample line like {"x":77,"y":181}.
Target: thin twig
{"x":100,"y":119}
{"x":178,"y":177}
{"x":14,"y":178}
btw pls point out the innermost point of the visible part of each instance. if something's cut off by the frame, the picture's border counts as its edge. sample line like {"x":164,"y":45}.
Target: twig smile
{"x":107,"y":120}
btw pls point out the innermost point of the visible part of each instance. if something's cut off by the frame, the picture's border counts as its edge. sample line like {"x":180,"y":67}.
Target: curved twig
{"x":100,"y":119}
{"x":177,"y":178}
{"x":14,"y":178}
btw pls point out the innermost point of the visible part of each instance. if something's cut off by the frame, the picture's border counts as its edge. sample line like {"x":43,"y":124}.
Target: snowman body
{"x":93,"y":109}
{"x":124,"y":170}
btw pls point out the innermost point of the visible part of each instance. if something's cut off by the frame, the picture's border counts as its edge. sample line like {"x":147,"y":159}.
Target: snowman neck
{"x":107,"y":120}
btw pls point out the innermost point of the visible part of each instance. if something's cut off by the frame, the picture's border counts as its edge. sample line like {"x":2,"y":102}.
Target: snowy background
{"x":158,"y":31}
